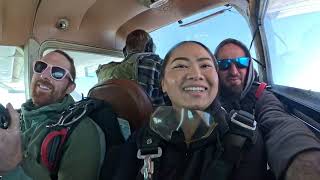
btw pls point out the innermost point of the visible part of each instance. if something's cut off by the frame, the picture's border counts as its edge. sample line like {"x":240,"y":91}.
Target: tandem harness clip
{"x":148,"y":165}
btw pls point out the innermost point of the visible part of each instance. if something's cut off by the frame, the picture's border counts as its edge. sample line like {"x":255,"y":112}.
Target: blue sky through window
{"x":288,"y":39}
{"x":292,"y":49}
{"x":210,"y":32}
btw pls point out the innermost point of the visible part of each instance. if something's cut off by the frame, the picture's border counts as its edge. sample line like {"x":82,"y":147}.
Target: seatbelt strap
{"x":262,"y":86}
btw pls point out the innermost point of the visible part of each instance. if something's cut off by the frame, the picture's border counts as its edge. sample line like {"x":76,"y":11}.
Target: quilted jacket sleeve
{"x":285,"y":136}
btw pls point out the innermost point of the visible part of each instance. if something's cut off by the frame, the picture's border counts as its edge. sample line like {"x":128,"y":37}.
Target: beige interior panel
{"x":98,"y":23}
{"x":93,"y":22}
{"x":155,"y":18}
{"x":16,"y":21}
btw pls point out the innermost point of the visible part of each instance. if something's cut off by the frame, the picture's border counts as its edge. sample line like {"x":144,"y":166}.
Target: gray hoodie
{"x":284,"y":136}
{"x":225,"y":100}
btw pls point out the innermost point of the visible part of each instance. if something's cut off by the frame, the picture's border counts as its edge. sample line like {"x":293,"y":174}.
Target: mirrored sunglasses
{"x":240,"y":62}
{"x":56,"y":72}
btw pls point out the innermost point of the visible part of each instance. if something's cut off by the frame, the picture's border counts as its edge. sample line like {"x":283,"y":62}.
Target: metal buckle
{"x":148,"y":165}
{"x":242,"y":124}
{"x":71,"y":109}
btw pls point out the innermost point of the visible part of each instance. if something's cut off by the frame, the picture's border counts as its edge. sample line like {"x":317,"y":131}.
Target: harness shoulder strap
{"x":52,"y":145}
{"x":113,"y":135}
{"x":233,"y":145}
{"x":242,"y":132}
{"x":228,"y":156}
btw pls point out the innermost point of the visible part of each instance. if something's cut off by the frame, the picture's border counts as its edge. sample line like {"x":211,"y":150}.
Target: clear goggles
{"x":194,"y":124}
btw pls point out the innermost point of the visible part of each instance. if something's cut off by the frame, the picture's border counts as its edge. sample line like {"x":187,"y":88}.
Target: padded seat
{"x":127,"y":98}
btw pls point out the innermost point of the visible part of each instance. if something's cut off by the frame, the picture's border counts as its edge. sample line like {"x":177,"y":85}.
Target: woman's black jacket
{"x":202,"y":160}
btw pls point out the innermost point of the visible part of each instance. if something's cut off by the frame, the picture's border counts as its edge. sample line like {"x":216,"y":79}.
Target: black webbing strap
{"x":233,"y":146}
{"x":242,"y":132}
{"x":57,"y":152}
{"x":69,"y":120}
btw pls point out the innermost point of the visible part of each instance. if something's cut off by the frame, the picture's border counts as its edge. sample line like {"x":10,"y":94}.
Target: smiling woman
{"x":190,"y":80}
{"x":185,"y":139}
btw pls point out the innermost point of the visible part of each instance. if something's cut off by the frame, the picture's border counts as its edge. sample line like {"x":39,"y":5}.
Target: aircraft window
{"x":12,"y":87}
{"x":86,"y":65}
{"x":292,"y":32}
{"x":209,"y":31}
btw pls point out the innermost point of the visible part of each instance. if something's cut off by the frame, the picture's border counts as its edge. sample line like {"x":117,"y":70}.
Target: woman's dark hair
{"x":168,"y":55}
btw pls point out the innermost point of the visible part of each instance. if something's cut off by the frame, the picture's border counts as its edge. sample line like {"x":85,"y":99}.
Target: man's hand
{"x":305,"y":166}
{"x":10,"y":143}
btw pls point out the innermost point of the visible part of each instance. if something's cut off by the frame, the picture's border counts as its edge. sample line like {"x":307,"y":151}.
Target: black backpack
{"x":97,"y":110}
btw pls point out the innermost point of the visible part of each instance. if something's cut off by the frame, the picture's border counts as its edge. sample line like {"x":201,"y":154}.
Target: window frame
{"x":23,"y":79}
{"x":307,"y":98}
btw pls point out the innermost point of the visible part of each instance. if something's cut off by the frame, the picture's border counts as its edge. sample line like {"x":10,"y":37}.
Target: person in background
{"x":140,"y":64}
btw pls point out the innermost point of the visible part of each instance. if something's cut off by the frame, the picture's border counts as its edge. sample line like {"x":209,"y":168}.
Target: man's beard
{"x":231,"y":91}
{"x":42,"y":98}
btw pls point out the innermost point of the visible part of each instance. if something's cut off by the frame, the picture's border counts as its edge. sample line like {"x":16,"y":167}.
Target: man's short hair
{"x":71,"y":61}
{"x":136,"y":41}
